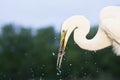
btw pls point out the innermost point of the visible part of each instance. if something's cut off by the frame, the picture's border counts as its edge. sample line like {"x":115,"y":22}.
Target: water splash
{"x":58,"y":71}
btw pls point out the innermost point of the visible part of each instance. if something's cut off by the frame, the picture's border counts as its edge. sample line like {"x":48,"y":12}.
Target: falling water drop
{"x":55,"y":38}
{"x":31,"y":70}
{"x":95,"y":63}
{"x":59,"y":71}
{"x":70,"y":64}
{"x":32,"y":75}
{"x":40,"y":78}
{"x":85,"y":52}
{"x":43,"y":65}
{"x":97,"y":70}
{"x":85,"y":74}
{"x":43,"y":74}
{"x":53,"y":54}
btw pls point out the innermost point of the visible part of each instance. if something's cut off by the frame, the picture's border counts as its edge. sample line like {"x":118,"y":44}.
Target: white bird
{"x":108,"y":32}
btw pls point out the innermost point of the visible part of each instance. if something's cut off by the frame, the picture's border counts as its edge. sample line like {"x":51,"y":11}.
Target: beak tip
{"x":59,"y":60}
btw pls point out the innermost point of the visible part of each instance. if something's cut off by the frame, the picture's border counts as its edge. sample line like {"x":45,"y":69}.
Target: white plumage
{"x":108,"y":32}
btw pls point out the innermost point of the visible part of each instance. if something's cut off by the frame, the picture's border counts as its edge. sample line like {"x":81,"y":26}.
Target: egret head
{"x":69,"y":25}
{"x":66,"y":30}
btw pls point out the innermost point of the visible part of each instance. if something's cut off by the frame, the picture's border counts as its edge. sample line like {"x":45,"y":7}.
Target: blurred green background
{"x":31,"y":55}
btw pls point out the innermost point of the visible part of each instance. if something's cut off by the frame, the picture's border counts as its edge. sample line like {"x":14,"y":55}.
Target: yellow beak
{"x":61,"y":49}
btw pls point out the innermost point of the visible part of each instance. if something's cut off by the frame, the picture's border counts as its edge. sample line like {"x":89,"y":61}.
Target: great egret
{"x":108,"y":32}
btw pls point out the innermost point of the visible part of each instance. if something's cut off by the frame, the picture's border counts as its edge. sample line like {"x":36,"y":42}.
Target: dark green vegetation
{"x":27,"y":56}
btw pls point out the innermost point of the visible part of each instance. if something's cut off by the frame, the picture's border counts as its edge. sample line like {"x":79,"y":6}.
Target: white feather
{"x":108,"y":33}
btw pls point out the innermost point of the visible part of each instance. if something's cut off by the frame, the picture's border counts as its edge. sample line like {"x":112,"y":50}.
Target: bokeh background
{"x":29,"y":41}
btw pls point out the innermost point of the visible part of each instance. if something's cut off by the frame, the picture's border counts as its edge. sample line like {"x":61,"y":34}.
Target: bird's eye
{"x":63,"y":31}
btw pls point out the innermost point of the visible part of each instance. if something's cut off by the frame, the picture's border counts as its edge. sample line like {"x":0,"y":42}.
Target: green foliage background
{"x":28,"y":56}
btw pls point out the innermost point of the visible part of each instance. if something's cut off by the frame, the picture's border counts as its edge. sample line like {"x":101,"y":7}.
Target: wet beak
{"x":61,"y":49}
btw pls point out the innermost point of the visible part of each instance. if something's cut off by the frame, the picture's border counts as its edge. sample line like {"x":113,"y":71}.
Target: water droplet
{"x":53,"y":54}
{"x":85,"y":52}
{"x":55,"y":38}
{"x":40,"y":78}
{"x":95,"y":63}
{"x":82,"y":68}
{"x":43,"y":74}
{"x":31,"y":69}
{"x":59,"y":71}
{"x":58,"y":74}
{"x":70,"y":64}
{"x":32,"y":75}
{"x":97,"y":70}
{"x":85,"y":73}
{"x":43,"y":65}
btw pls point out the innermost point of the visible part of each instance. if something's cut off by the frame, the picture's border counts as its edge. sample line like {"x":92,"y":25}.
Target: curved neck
{"x":100,"y":40}
{"x":81,"y":27}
